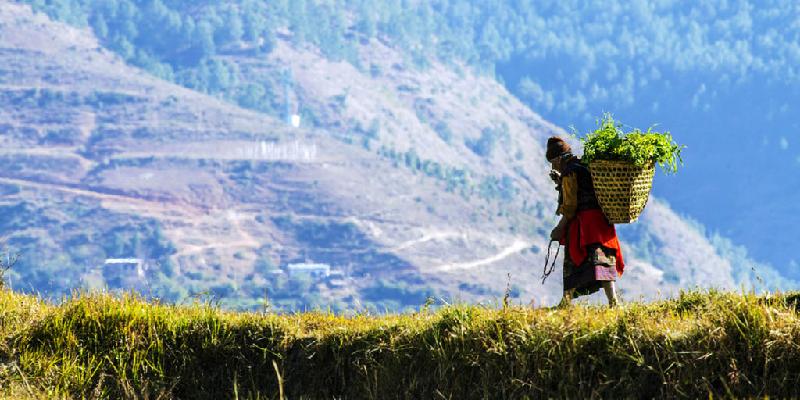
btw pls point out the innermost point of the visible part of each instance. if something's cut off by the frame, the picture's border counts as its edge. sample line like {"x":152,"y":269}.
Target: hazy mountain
{"x":720,"y":75}
{"x":412,"y":181}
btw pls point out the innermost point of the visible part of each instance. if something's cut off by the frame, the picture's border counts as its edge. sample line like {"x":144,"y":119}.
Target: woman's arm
{"x":568,"y":207}
{"x":569,"y":191}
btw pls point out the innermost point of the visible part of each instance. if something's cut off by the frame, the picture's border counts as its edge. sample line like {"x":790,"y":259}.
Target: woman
{"x":593,"y":257}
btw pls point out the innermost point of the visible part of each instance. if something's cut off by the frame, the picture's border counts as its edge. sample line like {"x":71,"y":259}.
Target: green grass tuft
{"x":696,"y":345}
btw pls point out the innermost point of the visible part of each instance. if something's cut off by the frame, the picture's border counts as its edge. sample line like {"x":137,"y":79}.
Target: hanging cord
{"x":547,"y":271}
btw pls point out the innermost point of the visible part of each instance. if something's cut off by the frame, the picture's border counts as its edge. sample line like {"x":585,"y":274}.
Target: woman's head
{"x":556,"y":149}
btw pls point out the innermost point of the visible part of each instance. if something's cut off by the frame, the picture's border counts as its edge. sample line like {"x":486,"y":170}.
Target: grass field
{"x":701,"y":343}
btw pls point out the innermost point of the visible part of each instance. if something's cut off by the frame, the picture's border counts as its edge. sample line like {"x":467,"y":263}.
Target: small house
{"x":124,"y":272}
{"x":315,"y":270}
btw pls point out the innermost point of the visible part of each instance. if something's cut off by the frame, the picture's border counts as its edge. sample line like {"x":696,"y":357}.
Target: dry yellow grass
{"x":99,"y":346}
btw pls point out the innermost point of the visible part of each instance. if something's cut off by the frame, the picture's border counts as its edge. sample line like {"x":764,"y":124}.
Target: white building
{"x":125,"y":266}
{"x":315,"y":270}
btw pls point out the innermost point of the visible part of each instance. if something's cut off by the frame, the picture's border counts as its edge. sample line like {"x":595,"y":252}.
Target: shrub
{"x":610,"y":142}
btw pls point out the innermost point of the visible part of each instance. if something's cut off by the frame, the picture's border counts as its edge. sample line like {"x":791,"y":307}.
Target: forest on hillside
{"x":595,"y":51}
{"x":687,"y":66}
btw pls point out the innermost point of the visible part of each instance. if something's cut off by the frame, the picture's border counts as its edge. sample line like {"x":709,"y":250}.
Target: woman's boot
{"x":566,"y":301}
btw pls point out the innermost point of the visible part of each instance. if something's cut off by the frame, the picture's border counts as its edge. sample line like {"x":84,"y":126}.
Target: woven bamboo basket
{"x":622,"y":188}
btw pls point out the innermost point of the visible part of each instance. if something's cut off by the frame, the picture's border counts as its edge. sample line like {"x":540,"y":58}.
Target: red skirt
{"x":587,"y":228}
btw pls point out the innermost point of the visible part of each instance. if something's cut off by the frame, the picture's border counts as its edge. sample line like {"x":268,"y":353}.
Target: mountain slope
{"x":410,"y":182}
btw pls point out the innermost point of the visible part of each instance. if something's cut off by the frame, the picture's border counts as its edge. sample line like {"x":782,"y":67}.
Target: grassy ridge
{"x":97,"y":346}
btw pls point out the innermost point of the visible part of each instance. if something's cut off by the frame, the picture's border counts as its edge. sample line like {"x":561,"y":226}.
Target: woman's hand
{"x":557,"y":233}
{"x":560,"y":230}
{"x":555,"y":176}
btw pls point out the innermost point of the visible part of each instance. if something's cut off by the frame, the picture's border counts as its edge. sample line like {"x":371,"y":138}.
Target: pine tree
{"x":204,"y":39}
{"x":99,"y":26}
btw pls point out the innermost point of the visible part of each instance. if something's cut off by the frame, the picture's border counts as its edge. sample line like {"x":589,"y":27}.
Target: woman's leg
{"x":567,"y":299}
{"x":611,"y":293}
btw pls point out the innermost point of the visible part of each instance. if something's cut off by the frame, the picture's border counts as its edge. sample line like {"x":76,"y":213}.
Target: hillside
{"x":410,"y":182}
{"x":719,"y":74}
{"x":697,"y":345}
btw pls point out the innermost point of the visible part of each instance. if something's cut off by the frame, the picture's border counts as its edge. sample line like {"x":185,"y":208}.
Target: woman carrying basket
{"x":593,"y":256}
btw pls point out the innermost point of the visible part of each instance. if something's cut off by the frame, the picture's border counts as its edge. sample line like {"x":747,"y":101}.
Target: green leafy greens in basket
{"x":609,"y":142}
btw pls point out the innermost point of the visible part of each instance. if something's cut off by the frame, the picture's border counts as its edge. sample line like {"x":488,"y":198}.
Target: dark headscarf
{"x":557,"y":147}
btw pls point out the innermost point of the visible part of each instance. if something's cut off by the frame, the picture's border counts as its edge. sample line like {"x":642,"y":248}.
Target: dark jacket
{"x":576,"y":192}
